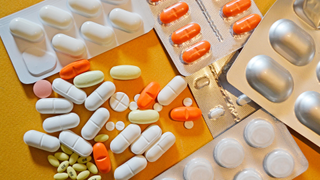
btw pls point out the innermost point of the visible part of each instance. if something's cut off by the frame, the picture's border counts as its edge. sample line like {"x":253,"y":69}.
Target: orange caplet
{"x":174,"y":12}
{"x":101,"y":157}
{"x":148,"y":95}
{"x":196,"y":51}
{"x":75,"y":68}
{"x":185,"y":33}
{"x":235,"y":7}
{"x":246,"y":24}
{"x":185,"y":113}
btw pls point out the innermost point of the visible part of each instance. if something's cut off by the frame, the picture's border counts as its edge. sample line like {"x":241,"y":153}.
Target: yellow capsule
{"x":83,"y":175}
{"x":60,"y":176}
{"x":61,"y":156}
{"x":101,"y":138}
{"x":53,"y":161}
{"x":73,"y":158}
{"x":96,"y":177}
{"x":92,"y":168}
{"x":65,"y":149}
{"x":72,"y":173}
{"x":79,"y":167}
{"x":84,"y":159}
{"x":63,"y":166}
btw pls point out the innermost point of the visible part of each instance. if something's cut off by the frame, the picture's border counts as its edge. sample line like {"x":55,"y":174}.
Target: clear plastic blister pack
{"x":279,"y":66}
{"x":206,"y":34}
{"x":83,"y":28}
{"x":259,"y":147}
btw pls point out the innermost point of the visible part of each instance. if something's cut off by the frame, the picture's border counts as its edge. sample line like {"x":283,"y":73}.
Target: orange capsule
{"x":148,"y":95}
{"x":235,"y":7}
{"x":185,"y":33}
{"x":196,"y":51}
{"x":101,"y":157}
{"x":246,"y":24}
{"x":174,"y":12}
{"x":75,"y":68}
{"x":185,"y":113}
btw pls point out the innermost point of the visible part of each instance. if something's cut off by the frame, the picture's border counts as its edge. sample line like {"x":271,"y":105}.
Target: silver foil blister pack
{"x":279,"y":67}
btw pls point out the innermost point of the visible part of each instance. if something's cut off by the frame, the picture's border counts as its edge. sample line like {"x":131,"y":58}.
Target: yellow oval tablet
{"x":65,"y":149}
{"x":60,"y":176}
{"x":125,"y":72}
{"x":72,"y":173}
{"x":83,"y":175}
{"x":73,"y":158}
{"x":143,"y":116}
{"x":84,"y":159}
{"x":101,"y":138}
{"x":63,"y":166}
{"x":79,"y":167}
{"x":96,"y":177}
{"x":92,"y":168}
{"x":61,"y":156}
{"x":88,"y":79}
{"x":53,"y":161}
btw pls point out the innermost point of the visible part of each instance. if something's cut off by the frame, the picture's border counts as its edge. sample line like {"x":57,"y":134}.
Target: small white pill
{"x":130,"y":168}
{"x":133,"y":106}
{"x":228,"y":153}
{"x":243,"y":99}
{"x":100,"y":95}
{"x":62,"y":122}
{"x":172,"y":90}
{"x":187,"y":102}
{"x":55,"y":17}
{"x":119,"y":101}
{"x":54,"y":106}
{"x":120,"y":125}
{"x":125,"y":20}
{"x":97,"y":33}
{"x":26,"y":30}
{"x":259,"y":133}
{"x":279,"y":164}
{"x":147,"y":138}
{"x":125,"y":138}
{"x":188,"y":124}
{"x":216,"y":112}
{"x":160,"y":147}
{"x":158,"y":107}
{"x":75,"y":143}
{"x":198,"y":168}
{"x":246,"y":174}
{"x":110,"y":126}
{"x":136,"y":97}
{"x":87,"y":8}
{"x":95,"y":123}
{"x":68,"y":45}
{"x":41,"y":141}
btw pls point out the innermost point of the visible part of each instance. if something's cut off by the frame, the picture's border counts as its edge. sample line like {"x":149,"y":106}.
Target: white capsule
{"x":69,"y":91}
{"x":62,"y":122}
{"x":54,"y":106}
{"x":26,"y":30}
{"x":68,"y":45}
{"x":87,"y":8}
{"x":55,"y":17}
{"x":97,"y":33}
{"x":172,"y":90}
{"x":125,"y":20}
{"x":41,"y":141}
{"x":130,"y":168}
{"x":147,"y":139}
{"x":95,"y":123}
{"x":119,"y":101}
{"x":100,"y":95}
{"x":125,"y":138}
{"x":243,"y":99}
{"x":75,"y":143}
{"x":160,"y":147}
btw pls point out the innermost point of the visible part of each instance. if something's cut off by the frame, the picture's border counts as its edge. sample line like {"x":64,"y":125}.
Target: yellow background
{"x":18,"y":113}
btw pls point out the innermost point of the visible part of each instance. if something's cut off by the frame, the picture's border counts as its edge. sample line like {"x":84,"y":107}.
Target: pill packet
{"x":216,"y":32}
{"x":37,"y":60}
{"x":282,"y":74}
{"x":203,"y":164}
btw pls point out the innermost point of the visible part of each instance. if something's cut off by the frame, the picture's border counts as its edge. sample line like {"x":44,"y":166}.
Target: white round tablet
{"x":279,"y":164}
{"x":198,"y":168}
{"x":133,"y":106}
{"x":188,"y":124}
{"x":248,"y":174}
{"x":187,"y":102}
{"x":110,"y":126}
{"x":120,"y":125}
{"x":158,"y":107}
{"x":136,"y":97}
{"x":228,"y":153}
{"x":119,"y":101}
{"x":259,"y":133}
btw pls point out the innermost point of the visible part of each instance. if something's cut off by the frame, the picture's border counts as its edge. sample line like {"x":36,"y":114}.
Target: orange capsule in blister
{"x":185,"y":113}
{"x":235,"y":7}
{"x":75,"y":68}
{"x":174,"y":12}
{"x":185,"y":33}
{"x":196,"y":51}
{"x":246,"y":24}
{"x":148,"y":95}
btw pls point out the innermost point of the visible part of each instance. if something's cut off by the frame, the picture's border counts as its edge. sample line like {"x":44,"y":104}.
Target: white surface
{"x":133,"y":106}
{"x":187,"y":102}
{"x":41,"y":141}
{"x":125,"y":138}
{"x":97,"y":33}
{"x":136,"y":97}
{"x":61,"y":122}
{"x":68,"y":45}
{"x":248,"y":174}
{"x":87,"y":8}
{"x":188,"y":124}
{"x":147,"y":139}
{"x":158,"y":107}
{"x":26,"y":30}
{"x":279,"y":164}
{"x":100,"y":95}
{"x":160,"y":147}
{"x":110,"y":126}
{"x":95,"y":123}
{"x":120,"y":125}
{"x":259,"y":133}
{"x":198,"y":168}
{"x":56,"y":17}
{"x":119,"y":101}
{"x":125,"y":20}
{"x":172,"y":90}
{"x":229,"y":153}
{"x":75,"y":143}
{"x":54,"y":106}
{"x":130,"y":168}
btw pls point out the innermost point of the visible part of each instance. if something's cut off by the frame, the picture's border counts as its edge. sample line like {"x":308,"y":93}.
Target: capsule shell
{"x":75,"y":68}
{"x":174,"y":12}
{"x":235,"y":7}
{"x":186,"y":114}
{"x":185,"y":33}
{"x":101,"y":157}
{"x":196,"y":51}
{"x":246,"y":24}
{"x":148,"y":95}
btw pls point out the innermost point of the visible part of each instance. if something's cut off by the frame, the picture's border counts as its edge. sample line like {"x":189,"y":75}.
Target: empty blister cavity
{"x":201,"y":82}
{"x":248,"y":174}
{"x":55,"y":17}
{"x":125,"y":20}
{"x":308,"y":10}
{"x":306,"y":110}
{"x":259,"y":133}
{"x":115,"y":2}
{"x":198,"y":168}
{"x":269,"y":78}
{"x":292,"y":42}
{"x":68,"y":45}
{"x":87,"y":8}
{"x":97,"y":33}
{"x":228,"y":153}
{"x":279,"y":164}
{"x":26,"y":30}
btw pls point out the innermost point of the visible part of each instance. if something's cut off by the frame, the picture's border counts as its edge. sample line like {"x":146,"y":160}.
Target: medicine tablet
{"x":172,"y":90}
{"x":198,"y":168}
{"x":42,"y":89}
{"x":61,"y":122}
{"x":196,"y":51}
{"x":68,"y":45}
{"x":55,"y":17}
{"x":187,"y":102}
{"x":235,"y":7}
{"x":228,"y":153}
{"x":84,"y":159}
{"x":279,"y":164}
{"x":160,"y":147}
{"x":110,"y":126}
{"x":216,"y":112}
{"x":125,"y":20}
{"x":259,"y":133}
{"x":83,"y":175}
{"x":246,"y":174}
{"x":148,"y":95}
{"x":61,"y":156}
{"x":185,"y":114}
{"x":26,"y":30}
{"x":246,"y":24}
{"x":125,"y":72}
{"x":147,"y":138}
{"x":95,"y":123}
{"x":143,"y":116}
{"x":173,"y":12}
{"x":136,"y":97}
{"x":157,"y":107}
{"x":73,"y":158}
{"x":243,"y":99}
{"x":133,"y":106}
{"x":41,"y":141}
{"x":87,"y":8}
{"x":120,"y":125}
{"x":130,"y":168}
{"x":101,"y":138}
{"x":60,"y":176}
{"x":100,"y":95}
{"x":75,"y":143}
{"x":75,"y":68}
{"x":125,"y":138}
{"x":95,"y":177}
{"x":119,"y":101}
{"x":65,"y":149}
{"x":188,"y":124}
{"x":97,"y":33}
{"x":79,"y":167}
{"x":54,"y":106}
{"x":88,"y":79}
{"x":72,"y":173}
{"x":101,"y":157}
{"x":92,"y":168}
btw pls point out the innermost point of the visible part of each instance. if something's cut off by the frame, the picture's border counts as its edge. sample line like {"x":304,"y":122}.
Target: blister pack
{"x":43,"y":38}
{"x":259,"y":147}
{"x":279,"y":67}
{"x":196,"y":33}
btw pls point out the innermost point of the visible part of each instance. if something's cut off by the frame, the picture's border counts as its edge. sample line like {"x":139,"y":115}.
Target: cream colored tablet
{"x":56,"y":17}
{"x":68,"y":45}
{"x":97,"y":33}
{"x":125,"y":72}
{"x":125,"y":20}
{"x":100,"y":95}
{"x":88,"y":79}
{"x":75,"y":143}
{"x":26,"y":30}
{"x":143,"y":116}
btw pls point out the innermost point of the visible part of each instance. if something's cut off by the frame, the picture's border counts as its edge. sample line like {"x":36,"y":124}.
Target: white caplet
{"x":55,"y":17}
{"x":26,"y":30}
{"x":216,"y":112}
{"x":54,"y":106}
{"x":68,"y":45}
{"x":61,"y":122}
{"x":125,"y":20}
{"x":41,"y":141}
{"x":130,"y":168}
{"x":95,"y":123}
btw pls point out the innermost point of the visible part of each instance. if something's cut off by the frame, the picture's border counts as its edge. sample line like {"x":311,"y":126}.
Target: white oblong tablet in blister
{"x":95,"y":123}
{"x":116,"y":2}
{"x":62,"y":122}
{"x":125,"y":20}
{"x":68,"y":45}
{"x":97,"y":33}
{"x":87,"y":8}
{"x":55,"y":17}
{"x":75,"y":143}
{"x":26,"y":30}
{"x":41,"y":141}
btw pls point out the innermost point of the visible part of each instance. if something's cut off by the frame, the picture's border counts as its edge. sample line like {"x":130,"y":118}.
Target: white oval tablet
{"x":68,"y":45}
{"x":97,"y":33}
{"x":120,"y":125}
{"x":100,"y":95}
{"x":87,"y":8}
{"x":119,"y":101}
{"x":54,"y":106}
{"x":160,"y":147}
{"x":259,"y":133}
{"x":69,"y":91}
{"x":198,"y":168}
{"x":248,"y":174}
{"x":125,"y":138}
{"x":147,"y":139}
{"x":55,"y":17}
{"x":130,"y":168}
{"x":172,"y":90}
{"x":125,"y":20}
{"x":41,"y":141}
{"x":62,"y":122}
{"x":95,"y":123}
{"x":26,"y":30}
{"x":110,"y":126}
{"x":279,"y":164}
{"x":75,"y":143}
{"x":228,"y":153}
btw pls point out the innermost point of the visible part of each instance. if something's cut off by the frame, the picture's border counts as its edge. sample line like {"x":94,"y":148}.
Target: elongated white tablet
{"x":116,"y":2}
{"x":62,"y":122}
{"x":68,"y":45}
{"x":172,"y":90}
{"x":100,"y":95}
{"x":97,"y":33}
{"x":87,"y":8}
{"x":160,"y":147}
{"x":95,"y":123}
{"x":125,"y":138}
{"x":54,"y":106}
{"x":55,"y":17}
{"x":69,"y":91}
{"x":75,"y":143}
{"x":26,"y":30}
{"x":130,"y":168}
{"x":125,"y":20}
{"x":147,"y":139}
{"x":41,"y":141}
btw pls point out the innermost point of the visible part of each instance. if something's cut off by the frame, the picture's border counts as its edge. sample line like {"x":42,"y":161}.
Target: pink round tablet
{"x":42,"y":89}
